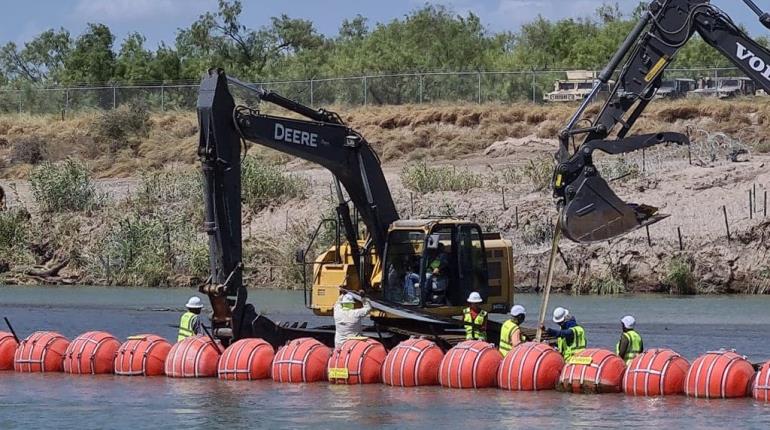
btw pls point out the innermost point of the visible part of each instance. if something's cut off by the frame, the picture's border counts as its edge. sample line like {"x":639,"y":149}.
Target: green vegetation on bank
{"x":430,"y":38}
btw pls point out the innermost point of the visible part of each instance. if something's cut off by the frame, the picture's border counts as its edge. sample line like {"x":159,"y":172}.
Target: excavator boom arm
{"x":592,"y":211}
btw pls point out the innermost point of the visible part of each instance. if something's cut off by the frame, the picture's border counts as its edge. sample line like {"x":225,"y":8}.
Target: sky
{"x":159,"y":20}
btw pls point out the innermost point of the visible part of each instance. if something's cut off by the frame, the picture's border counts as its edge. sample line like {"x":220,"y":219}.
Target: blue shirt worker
{"x":570,"y":337}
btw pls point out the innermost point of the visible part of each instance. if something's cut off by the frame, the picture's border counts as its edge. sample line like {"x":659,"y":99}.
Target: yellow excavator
{"x":418,"y":273}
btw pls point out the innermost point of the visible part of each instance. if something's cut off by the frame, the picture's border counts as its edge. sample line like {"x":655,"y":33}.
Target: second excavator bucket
{"x":595,"y":213}
{"x":592,"y":211}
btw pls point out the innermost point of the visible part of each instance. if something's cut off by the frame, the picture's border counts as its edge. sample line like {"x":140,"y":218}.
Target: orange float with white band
{"x":412,"y":363}
{"x":470,"y":364}
{"x":592,"y":371}
{"x":719,"y":374}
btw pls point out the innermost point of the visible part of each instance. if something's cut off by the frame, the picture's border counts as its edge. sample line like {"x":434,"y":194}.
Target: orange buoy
{"x":656,"y":372}
{"x":470,"y":364}
{"x":193,"y":357}
{"x":357,"y":361}
{"x":42,"y":351}
{"x":760,"y":389}
{"x":8,"y":346}
{"x":301,"y":360}
{"x":142,"y":355}
{"x":411,"y":363}
{"x":592,"y":371}
{"x":719,"y":374}
{"x":246,"y":360}
{"x":91,"y":353}
{"x":530,"y":366}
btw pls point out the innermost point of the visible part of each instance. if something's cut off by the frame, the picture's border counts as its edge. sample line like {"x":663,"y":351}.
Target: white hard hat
{"x":474,"y":297}
{"x":348,"y":298}
{"x":517,"y":310}
{"x":628,"y":321}
{"x":560,"y":314}
{"x":194,"y":303}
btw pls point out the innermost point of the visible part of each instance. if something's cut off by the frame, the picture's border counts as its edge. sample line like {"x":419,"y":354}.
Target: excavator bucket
{"x":596,"y":213}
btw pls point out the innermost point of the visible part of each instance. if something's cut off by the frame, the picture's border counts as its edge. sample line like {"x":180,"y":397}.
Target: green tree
{"x":92,"y":60}
{"x":40,"y":60}
{"x":134,"y":62}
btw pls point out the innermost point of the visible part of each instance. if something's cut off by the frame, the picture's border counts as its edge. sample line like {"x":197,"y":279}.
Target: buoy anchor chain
{"x":549,"y":275}
{"x":10,"y":327}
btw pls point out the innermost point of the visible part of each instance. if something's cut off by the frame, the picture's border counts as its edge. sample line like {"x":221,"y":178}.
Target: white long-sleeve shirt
{"x":347,"y":322}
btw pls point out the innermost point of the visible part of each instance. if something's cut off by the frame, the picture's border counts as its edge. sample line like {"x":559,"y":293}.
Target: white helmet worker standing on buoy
{"x":190,"y":323}
{"x":510,"y":333}
{"x":571,"y":338}
{"x":475,"y":318}
{"x":348,"y":319}
{"x":630,"y":344}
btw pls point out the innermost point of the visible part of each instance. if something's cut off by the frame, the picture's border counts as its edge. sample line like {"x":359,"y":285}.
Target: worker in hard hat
{"x":475,"y":318}
{"x":571,"y":337}
{"x":190,"y":323}
{"x":510,"y":334}
{"x":630,"y":344}
{"x":348,"y":319}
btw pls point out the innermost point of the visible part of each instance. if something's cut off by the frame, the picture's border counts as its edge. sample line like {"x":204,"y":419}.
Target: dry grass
{"x":396,"y":132}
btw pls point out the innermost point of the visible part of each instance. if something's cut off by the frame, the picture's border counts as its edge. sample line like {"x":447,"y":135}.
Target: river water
{"x":690,"y":326}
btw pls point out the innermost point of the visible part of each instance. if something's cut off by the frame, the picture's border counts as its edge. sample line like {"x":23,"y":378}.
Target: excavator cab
{"x":436,"y":264}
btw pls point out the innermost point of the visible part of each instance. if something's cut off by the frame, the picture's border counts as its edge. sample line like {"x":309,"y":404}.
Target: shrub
{"x":607,"y":285}
{"x":62,"y":187}
{"x":619,"y":169}
{"x":119,"y":128}
{"x":536,"y":232}
{"x":763,"y":147}
{"x":421,"y":178}
{"x":14,"y":229}
{"x":165,"y":187}
{"x":538,"y":172}
{"x":265,"y":184}
{"x":679,"y":276}
{"x":149,"y":250}
{"x":28,"y":149}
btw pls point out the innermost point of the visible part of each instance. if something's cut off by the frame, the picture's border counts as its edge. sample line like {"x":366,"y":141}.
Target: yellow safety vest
{"x":475,"y":330}
{"x":634,"y":345}
{"x":186,"y":326}
{"x":507,"y":331}
{"x":578,"y":343}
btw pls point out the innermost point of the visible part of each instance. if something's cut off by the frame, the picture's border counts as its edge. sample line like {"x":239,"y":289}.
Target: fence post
{"x":311,"y":93}
{"x":66,"y":101}
{"x":365,"y":90}
{"x":533,"y":86}
{"x":20,"y":98}
{"x":479,"y":87}
{"x":162,"y":98}
{"x":114,"y":96}
{"x":419,"y":90}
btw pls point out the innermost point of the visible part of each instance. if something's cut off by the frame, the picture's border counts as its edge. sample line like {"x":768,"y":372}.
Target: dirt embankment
{"x":490,"y":141}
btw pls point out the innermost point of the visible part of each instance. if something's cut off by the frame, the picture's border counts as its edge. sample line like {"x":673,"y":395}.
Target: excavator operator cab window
{"x":402,"y":266}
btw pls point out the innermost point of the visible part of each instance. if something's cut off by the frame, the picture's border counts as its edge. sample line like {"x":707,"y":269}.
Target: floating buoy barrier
{"x":656,"y":372}
{"x":719,"y":374}
{"x":246,"y":360}
{"x":42,"y":351}
{"x":8,"y":346}
{"x":760,"y":389}
{"x":470,"y":364}
{"x":530,"y":366}
{"x":193,"y":357}
{"x":357,"y":361}
{"x":91,"y":353}
{"x":301,"y":360}
{"x":412,"y":363}
{"x":142,"y":355}
{"x":592,"y":371}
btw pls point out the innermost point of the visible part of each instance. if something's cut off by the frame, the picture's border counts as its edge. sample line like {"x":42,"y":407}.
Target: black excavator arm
{"x":324,"y":140}
{"x":591,"y":210}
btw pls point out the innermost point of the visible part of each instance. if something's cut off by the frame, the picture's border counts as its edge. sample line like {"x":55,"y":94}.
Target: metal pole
{"x":114,"y":97}
{"x":162,"y":99}
{"x":679,"y":233}
{"x":765,"y":206}
{"x":365,"y":90}
{"x":533,"y":86}
{"x":311,"y":93}
{"x":66,"y":101}
{"x":479,"y":88}
{"x":420,"y":90}
{"x":751,"y":208}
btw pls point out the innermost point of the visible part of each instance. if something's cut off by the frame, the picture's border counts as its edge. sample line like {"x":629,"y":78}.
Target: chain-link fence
{"x":391,"y":89}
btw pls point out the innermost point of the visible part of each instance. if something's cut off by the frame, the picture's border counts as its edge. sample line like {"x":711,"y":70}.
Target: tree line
{"x":430,"y":38}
